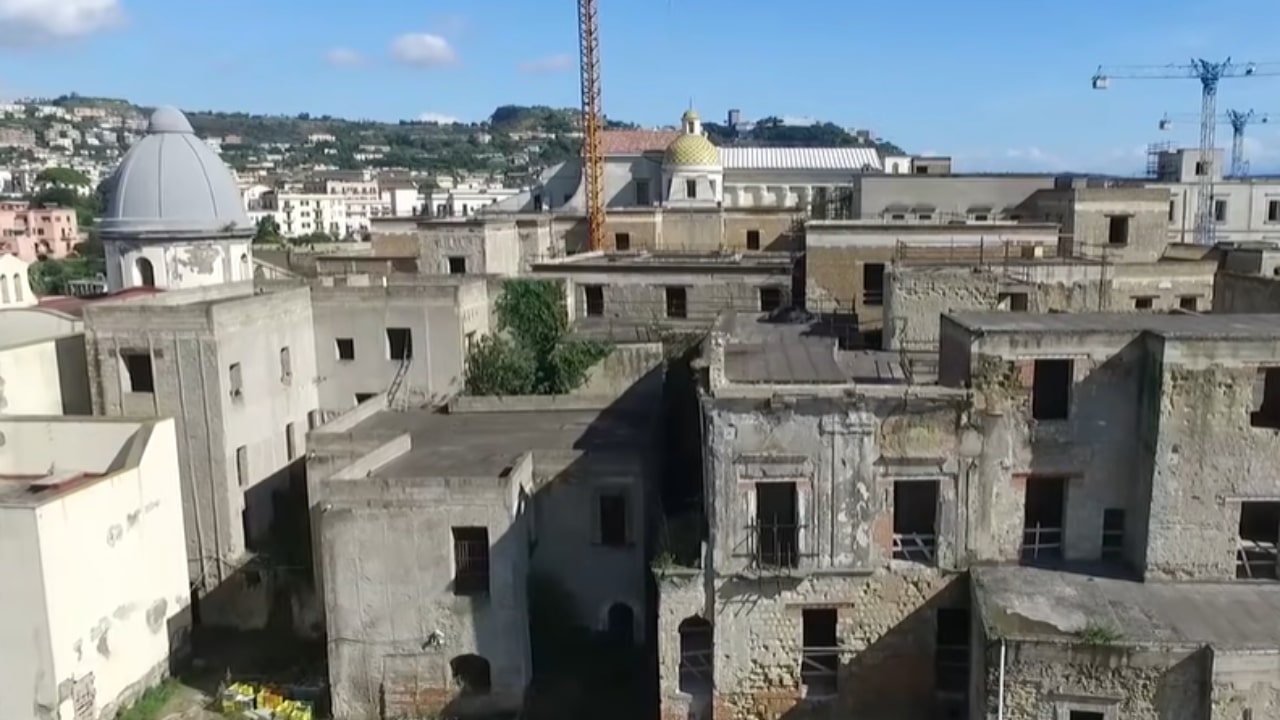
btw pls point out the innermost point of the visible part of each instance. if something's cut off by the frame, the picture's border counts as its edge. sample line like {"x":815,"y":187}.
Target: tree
{"x":268,"y":230}
{"x":62,"y":177}
{"x":315,"y":238}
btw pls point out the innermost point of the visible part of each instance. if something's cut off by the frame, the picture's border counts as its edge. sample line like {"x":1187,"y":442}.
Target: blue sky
{"x":999,"y":84}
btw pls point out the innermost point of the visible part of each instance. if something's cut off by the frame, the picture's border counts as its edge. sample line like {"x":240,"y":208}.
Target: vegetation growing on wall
{"x":532,"y":354}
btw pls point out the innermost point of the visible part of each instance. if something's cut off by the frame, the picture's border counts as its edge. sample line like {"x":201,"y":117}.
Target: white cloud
{"x":344,"y":57}
{"x":36,"y":22}
{"x":559,"y":62}
{"x":439,"y":118}
{"x":422,"y":50}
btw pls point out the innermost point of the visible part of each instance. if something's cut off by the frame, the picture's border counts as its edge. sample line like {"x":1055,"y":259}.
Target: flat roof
{"x":483,"y":444}
{"x":1185,"y":325}
{"x":1039,"y":604}
{"x":656,"y":261}
{"x":46,"y":457}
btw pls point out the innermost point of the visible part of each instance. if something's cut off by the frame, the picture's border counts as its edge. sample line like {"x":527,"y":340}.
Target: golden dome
{"x":692,"y":151}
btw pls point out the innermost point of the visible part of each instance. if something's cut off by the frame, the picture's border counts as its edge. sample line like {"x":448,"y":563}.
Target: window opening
{"x":471,"y":560}
{"x":399,"y":343}
{"x":612,"y":511}
{"x":1113,"y":534}
{"x":777,"y":532}
{"x":346,"y":348}
{"x":138,"y":367}
{"x":915,"y":516}
{"x":696,"y":645}
{"x":1042,"y":518}
{"x":872,"y":283}
{"x":753,"y":239}
{"x":1265,"y":410}
{"x":457,"y":265}
{"x":1256,"y":548}
{"x":770,"y":299}
{"x":622,"y":241}
{"x":1051,"y":389}
{"x":595,"y":299}
{"x":951,"y":651}
{"x":677,"y":303}
{"x":1118,"y":229}
{"x":820,"y":653}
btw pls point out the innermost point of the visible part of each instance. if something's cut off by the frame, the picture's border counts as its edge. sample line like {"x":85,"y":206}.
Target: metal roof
{"x":775,"y":158}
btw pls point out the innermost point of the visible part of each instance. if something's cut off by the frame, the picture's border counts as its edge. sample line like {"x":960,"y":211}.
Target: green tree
{"x":268,"y":230}
{"x":62,"y":177}
{"x":315,"y":238}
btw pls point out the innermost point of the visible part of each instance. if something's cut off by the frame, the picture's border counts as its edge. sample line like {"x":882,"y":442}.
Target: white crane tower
{"x":1209,"y":74}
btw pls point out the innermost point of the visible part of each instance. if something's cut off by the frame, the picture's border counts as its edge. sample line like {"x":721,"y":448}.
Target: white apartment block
{"x":464,"y":199}
{"x":1244,"y":209}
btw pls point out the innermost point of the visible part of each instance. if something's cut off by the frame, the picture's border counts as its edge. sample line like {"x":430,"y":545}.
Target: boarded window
{"x":1051,"y":390}
{"x":470,"y":560}
{"x":753,"y":239}
{"x":1118,"y":229}
{"x":137,"y":365}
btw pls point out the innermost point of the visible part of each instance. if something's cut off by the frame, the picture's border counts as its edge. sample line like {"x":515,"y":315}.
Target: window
{"x":622,"y":241}
{"x":237,"y":380}
{"x":286,"y":365}
{"x":770,"y":299}
{"x":1273,"y":211}
{"x":915,"y":515}
{"x":1266,"y":399}
{"x":472,"y":674}
{"x":951,"y":650}
{"x":642,"y":193}
{"x":696,"y":644}
{"x":898,"y":216}
{"x":1256,"y":547}
{"x":346,"y":348}
{"x":1112,"y":534}
{"x":242,"y":466}
{"x":1086,"y":715}
{"x":753,"y":239}
{"x":361,"y":397}
{"x":924,"y":217}
{"x":1143,"y":303}
{"x":872,"y":283}
{"x":1051,"y":389}
{"x":313,"y":419}
{"x":621,"y":625}
{"x":1219,"y":210}
{"x":1202,"y":167}
{"x":819,"y":652}
{"x":146,"y":273}
{"x":137,"y":365}
{"x":537,"y":205}
{"x":18,"y":284}
{"x":399,"y":344}
{"x":982,"y":217}
{"x":1172,"y":209}
{"x":595,"y":299}
{"x":922,"y":169}
{"x":290,"y":443}
{"x":611,"y":510}
{"x":470,"y":560}
{"x":1118,"y":229}
{"x":1017,"y":301}
{"x":691,"y":189}
{"x":777,"y":533}
{"x":1188,"y":302}
{"x":677,"y":303}
{"x":457,"y":265}
{"x":1042,"y":518}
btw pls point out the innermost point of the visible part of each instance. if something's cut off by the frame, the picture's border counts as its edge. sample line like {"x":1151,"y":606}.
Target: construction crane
{"x":1238,"y":120}
{"x":592,"y":120}
{"x":1210,"y":74}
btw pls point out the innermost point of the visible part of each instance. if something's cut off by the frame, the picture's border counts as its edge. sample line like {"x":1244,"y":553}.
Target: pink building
{"x":35,"y":233}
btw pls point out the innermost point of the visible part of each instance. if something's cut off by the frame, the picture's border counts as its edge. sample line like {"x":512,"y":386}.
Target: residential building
{"x":398,"y":198}
{"x":96,"y":593}
{"x":34,"y":233}
{"x":452,"y":199}
{"x":1243,"y":208}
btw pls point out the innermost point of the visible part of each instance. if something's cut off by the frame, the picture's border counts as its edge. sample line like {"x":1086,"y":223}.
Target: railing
{"x":774,"y":545}
{"x":916,"y":547}
{"x":1256,"y":559}
{"x":1042,"y":543}
{"x":819,"y":668}
{"x":696,"y":671}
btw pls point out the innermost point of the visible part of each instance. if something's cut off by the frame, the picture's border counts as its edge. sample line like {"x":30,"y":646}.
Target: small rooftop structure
{"x":172,"y":184}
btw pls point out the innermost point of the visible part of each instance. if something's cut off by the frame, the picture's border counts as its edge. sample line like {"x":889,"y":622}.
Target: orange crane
{"x":592,"y":120}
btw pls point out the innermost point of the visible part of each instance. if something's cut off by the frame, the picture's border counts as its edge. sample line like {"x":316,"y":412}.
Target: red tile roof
{"x":72,"y":305}
{"x":636,"y":142}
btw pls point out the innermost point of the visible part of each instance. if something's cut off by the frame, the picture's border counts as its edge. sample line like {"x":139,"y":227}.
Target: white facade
{"x":303,"y":213}
{"x":15,"y":283}
{"x":176,"y":265}
{"x":463,"y":200}
{"x":399,"y":201}
{"x":1244,"y":209}
{"x":96,"y":589}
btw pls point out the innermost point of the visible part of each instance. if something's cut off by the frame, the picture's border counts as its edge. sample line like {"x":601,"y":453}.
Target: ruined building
{"x":1068,"y":522}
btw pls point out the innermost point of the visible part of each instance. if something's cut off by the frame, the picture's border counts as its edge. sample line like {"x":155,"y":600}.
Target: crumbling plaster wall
{"x":915,"y":298}
{"x":640,"y":297}
{"x":1208,"y":457}
{"x":1245,"y":680}
{"x":1046,"y":680}
{"x":393,"y":621}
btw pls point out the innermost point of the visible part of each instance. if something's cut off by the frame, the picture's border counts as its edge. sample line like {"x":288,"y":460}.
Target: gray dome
{"x":171,"y":182}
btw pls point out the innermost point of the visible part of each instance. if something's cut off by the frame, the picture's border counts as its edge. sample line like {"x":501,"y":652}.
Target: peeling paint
{"x":114,"y":534}
{"x":124,"y":611}
{"x":156,"y":615}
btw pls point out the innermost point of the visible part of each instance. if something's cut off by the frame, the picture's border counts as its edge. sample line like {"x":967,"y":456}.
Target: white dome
{"x":172,"y":183}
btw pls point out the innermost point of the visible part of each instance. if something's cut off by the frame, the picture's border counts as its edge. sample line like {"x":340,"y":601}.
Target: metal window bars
{"x":1256,"y":559}
{"x":915,"y":547}
{"x":819,"y":668}
{"x":774,"y":545}
{"x":471,"y":557}
{"x":1041,"y":543}
{"x":696,"y":671}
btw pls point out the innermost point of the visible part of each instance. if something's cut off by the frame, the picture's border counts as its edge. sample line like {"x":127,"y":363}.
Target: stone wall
{"x":1236,"y":293}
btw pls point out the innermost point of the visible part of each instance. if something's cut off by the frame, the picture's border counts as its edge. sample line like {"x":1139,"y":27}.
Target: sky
{"x":997,"y":84}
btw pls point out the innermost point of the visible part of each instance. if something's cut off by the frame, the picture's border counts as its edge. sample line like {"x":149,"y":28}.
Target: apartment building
{"x":1243,"y":208}
{"x":35,"y":233}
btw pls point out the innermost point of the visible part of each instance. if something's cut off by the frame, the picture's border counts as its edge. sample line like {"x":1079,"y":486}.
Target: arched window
{"x":4,"y":290}
{"x":17,"y":287}
{"x":146,"y":273}
{"x":471,"y":672}
{"x":622,"y":624}
{"x":695,"y":655}
{"x":244,"y":266}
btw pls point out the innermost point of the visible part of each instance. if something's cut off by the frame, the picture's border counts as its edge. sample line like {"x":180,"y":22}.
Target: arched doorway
{"x":621,"y":624}
{"x":146,"y":273}
{"x":471,"y":672}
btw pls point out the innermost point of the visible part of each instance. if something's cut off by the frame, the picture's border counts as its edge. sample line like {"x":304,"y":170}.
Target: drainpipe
{"x":1000,"y":690}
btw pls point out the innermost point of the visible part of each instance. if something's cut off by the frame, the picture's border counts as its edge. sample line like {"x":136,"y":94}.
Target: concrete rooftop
{"x":772,"y":262}
{"x":1175,"y":325}
{"x":1023,"y":603}
{"x":45,"y":457}
{"x":483,"y":444}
